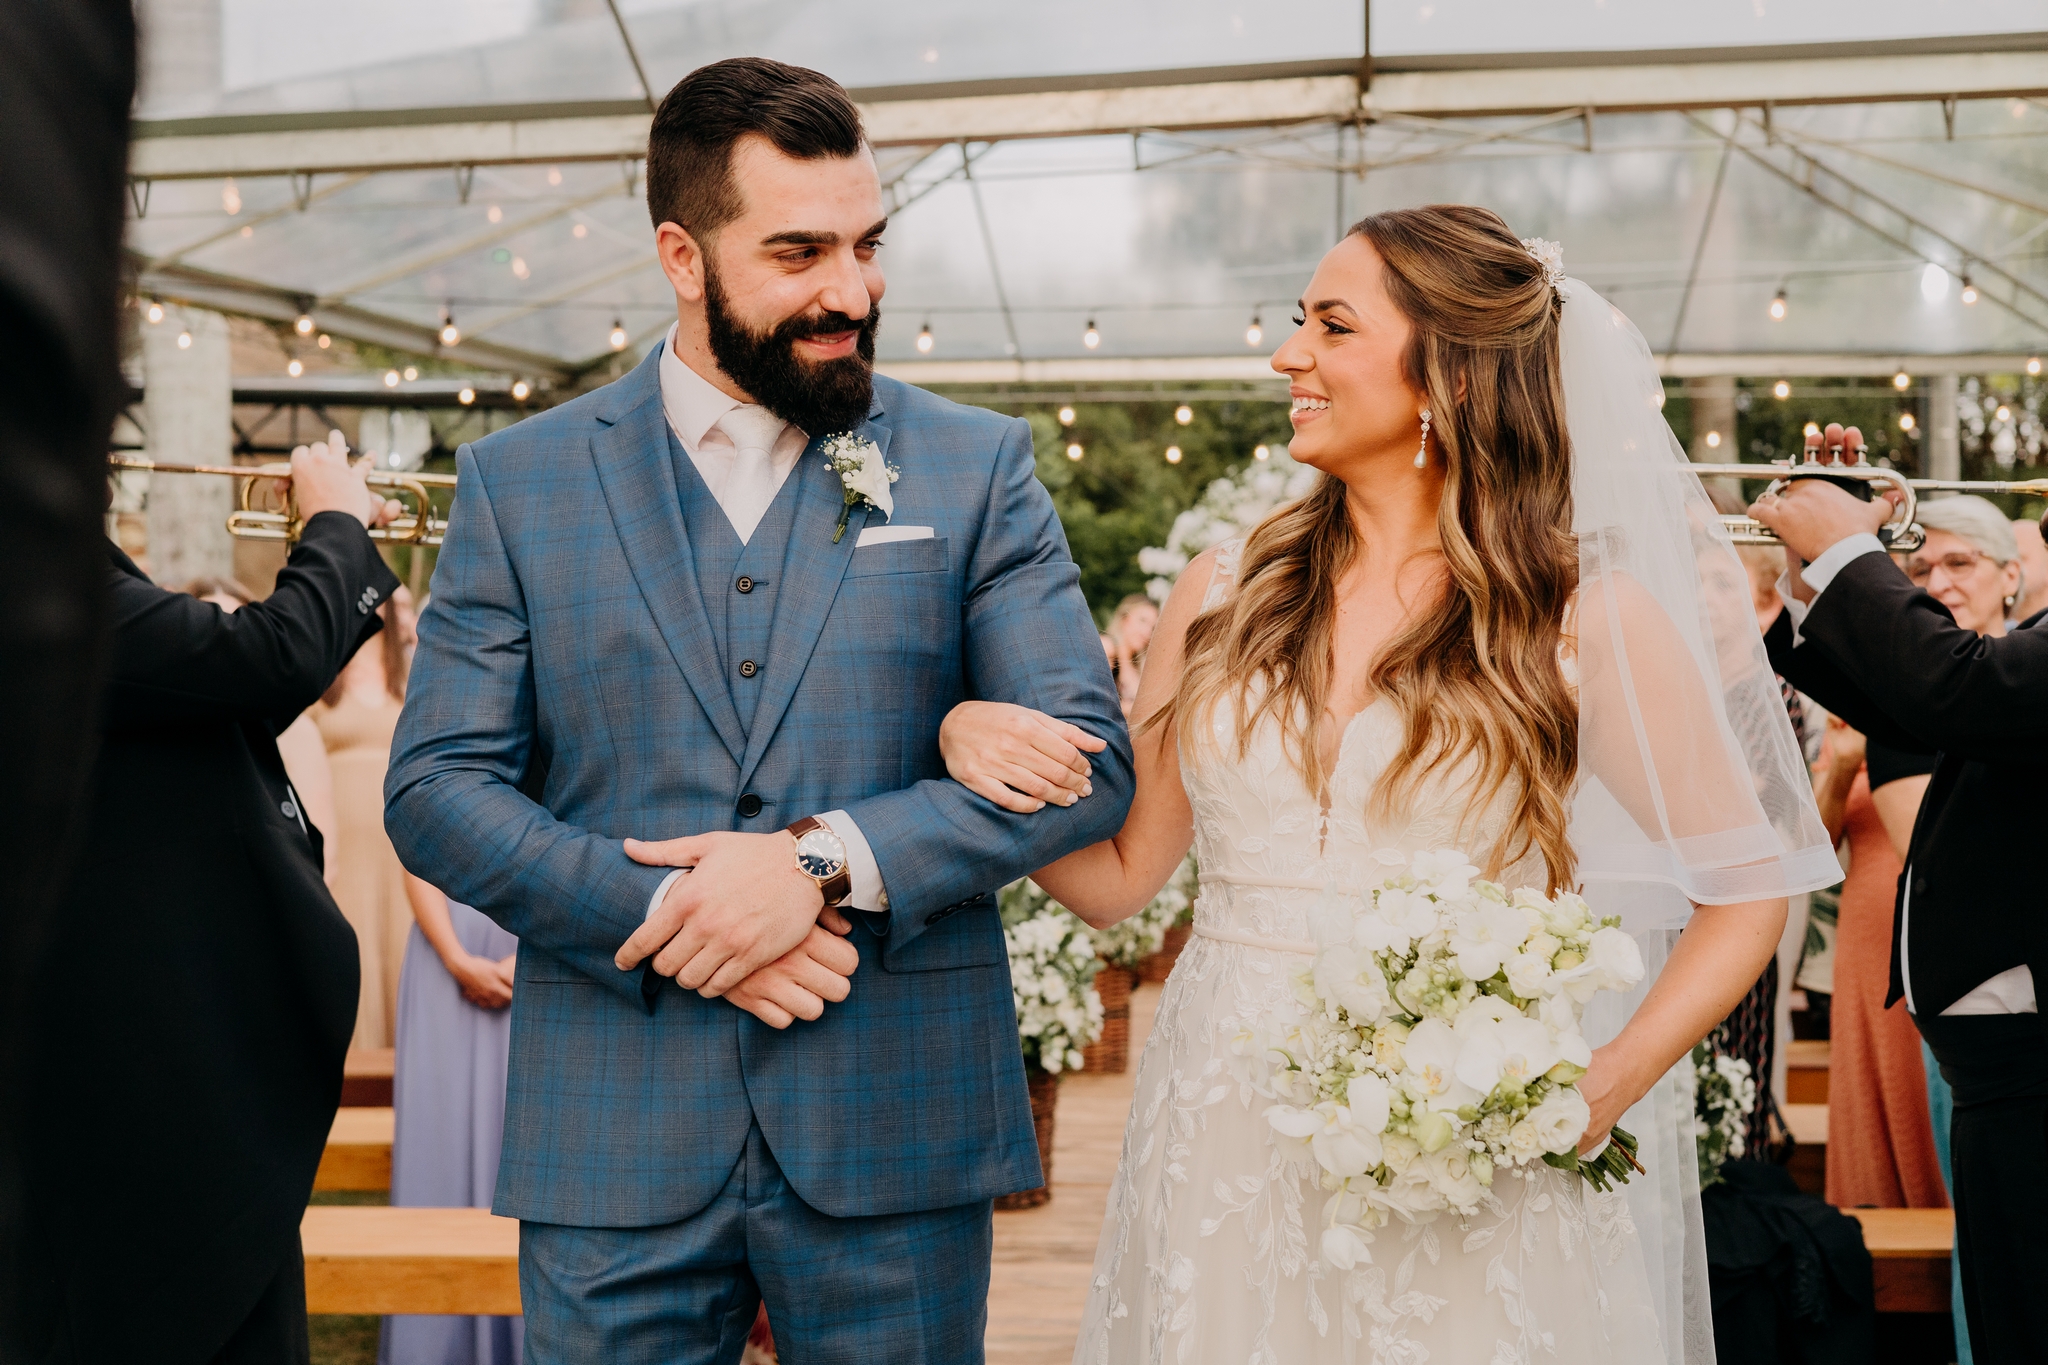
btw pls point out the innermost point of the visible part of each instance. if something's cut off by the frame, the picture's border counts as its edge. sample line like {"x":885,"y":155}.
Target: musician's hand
{"x":1811,"y":515}
{"x":323,"y":481}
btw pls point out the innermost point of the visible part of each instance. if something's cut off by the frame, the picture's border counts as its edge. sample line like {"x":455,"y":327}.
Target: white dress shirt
{"x":2012,"y":990}
{"x":695,"y":407}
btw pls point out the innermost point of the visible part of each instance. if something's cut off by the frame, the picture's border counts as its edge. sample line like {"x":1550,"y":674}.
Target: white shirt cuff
{"x":661,"y":891}
{"x":868,"y":892}
{"x":1822,"y":571}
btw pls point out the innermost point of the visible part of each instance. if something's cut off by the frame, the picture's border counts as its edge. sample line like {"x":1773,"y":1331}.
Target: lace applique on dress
{"x":1210,"y":1243}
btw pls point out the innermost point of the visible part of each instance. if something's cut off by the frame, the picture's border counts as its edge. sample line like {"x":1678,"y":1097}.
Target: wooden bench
{"x":1909,"y":1252}
{"x":380,"y":1260}
{"x":366,"y":1077}
{"x":358,"y":1155}
{"x":1809,"y":1165}
{"x":1806,"y":1071}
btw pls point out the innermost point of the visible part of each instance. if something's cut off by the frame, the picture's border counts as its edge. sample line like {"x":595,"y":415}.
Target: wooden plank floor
{"x":1043,"y":1256}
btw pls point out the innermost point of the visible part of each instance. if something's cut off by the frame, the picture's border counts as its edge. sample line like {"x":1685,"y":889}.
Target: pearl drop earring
{"x":1422,"y":455}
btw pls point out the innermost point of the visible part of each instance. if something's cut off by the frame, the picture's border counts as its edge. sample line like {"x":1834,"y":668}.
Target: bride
{"x":1485,"y":630}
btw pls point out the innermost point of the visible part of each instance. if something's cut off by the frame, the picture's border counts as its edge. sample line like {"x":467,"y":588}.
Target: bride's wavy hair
{"x":1477,"y":678}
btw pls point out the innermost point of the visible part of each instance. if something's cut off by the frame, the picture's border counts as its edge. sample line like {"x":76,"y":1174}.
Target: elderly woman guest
{"x":2033,"y":596}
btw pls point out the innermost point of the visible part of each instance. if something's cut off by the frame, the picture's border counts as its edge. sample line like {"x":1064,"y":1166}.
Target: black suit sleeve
{"x":178,"y":659}
{"x":1964,"y":694}
{"x":1814,"y":671}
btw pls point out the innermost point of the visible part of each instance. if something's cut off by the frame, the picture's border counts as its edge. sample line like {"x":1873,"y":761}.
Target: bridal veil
{"x":1692,"y":788}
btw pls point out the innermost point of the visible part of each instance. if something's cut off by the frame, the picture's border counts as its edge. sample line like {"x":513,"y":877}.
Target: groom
{"x":646,"y":622}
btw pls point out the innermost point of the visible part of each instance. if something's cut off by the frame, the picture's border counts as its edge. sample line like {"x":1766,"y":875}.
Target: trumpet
{"x":252,"y":520}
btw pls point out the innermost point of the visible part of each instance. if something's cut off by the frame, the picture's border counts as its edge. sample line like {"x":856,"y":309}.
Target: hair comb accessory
{"x":1549,"y":255}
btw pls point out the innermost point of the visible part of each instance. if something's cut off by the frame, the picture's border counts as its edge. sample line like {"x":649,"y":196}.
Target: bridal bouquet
{"x":1434,"y":1042}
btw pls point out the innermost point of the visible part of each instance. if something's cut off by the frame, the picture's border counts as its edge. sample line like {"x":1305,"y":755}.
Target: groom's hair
{"x":806,"y":114}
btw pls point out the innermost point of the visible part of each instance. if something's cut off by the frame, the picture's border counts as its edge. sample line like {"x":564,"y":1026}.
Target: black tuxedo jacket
{"x":191,"y":1030}
{"x":1890,"y":660}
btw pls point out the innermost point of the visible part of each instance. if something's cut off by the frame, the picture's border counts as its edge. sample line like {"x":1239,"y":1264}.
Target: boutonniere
{"x":863,"y":475}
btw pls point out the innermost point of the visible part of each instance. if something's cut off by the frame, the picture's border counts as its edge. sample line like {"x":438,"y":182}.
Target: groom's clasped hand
{"x":746,"y":925}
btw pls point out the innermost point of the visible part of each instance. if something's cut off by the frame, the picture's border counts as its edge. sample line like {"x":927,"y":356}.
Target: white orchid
{"x":1445,"y":870}
{"x":1613,"y":963}
{"x":1484,"y":938}
{"x":1353,"y":980}
{"x":1432,"y":1075}
{"x":1511,"y":1052}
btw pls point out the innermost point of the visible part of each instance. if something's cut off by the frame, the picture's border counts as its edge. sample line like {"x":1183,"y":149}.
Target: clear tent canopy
{"x":1746,"y":178}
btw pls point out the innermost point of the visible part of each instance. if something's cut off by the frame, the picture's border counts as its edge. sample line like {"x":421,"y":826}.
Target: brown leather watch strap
{"x":837,"y":887}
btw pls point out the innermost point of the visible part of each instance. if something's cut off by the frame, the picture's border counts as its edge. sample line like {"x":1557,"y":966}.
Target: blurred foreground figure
{"x":67,"y":75}
{"x":185,"y":1062}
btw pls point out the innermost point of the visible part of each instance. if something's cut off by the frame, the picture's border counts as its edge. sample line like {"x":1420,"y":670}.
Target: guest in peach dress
{"x":356,"y":719}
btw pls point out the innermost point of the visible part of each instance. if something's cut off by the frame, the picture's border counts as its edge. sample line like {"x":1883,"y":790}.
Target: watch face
{"x":820,"y":854}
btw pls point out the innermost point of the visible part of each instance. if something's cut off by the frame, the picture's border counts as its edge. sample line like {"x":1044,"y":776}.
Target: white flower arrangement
{"x":1229,"y":507}
{"x":1724,"y":1094}
{"x":864,"y":476}
{"x":1052,"y":973}
{"x":1433,"y":1043}
{"x":1126,"y":942}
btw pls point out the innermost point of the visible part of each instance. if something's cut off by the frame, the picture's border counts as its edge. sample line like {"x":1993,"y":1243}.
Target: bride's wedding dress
{"x":1210,"y":1248}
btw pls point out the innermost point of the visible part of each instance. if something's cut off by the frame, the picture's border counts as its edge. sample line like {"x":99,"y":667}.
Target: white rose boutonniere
{"x":863,"y":474}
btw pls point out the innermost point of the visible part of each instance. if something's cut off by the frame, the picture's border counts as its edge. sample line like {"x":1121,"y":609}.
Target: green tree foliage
{"x":1122,"y":494}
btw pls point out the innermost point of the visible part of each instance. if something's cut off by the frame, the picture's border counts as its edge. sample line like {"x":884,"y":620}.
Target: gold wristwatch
{"x":821,"y":856}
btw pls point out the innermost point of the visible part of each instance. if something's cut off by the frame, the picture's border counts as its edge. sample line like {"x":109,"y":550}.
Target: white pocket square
{"x":885,"y":535}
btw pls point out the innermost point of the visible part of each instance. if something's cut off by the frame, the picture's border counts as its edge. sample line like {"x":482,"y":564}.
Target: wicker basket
{"x":1045,"y":1095}
{"x":1112,"y":1051}
{"x":1159,"y":965}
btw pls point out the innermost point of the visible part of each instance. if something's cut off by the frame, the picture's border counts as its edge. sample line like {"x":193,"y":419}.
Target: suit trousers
{"x":1998,"y":1149}
{"x":909,"y":1288}
{"x":275,"y":1332}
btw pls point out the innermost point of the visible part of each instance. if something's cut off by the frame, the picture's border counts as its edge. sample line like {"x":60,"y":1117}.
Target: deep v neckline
{"x":1323,"y":798}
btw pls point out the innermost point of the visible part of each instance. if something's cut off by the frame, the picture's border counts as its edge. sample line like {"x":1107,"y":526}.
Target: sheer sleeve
{"x":1692,"y":785}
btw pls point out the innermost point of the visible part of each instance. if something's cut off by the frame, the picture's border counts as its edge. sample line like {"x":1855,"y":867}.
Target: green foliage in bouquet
{"x":1724,"y":1093}
{"x":1052,"y":973}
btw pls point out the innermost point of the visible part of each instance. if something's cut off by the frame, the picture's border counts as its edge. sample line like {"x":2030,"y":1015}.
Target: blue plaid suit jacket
{"x":567,"y":693}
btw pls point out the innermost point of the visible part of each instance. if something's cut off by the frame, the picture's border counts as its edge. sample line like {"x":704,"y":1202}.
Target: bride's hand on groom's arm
{"x":1018,"y":758}
{"x":744,"y":909}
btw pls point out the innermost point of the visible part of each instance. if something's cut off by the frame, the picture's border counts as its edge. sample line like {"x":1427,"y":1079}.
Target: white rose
{"x":1528,"y":973}
{"x":1523,"y":1142}
{"x":1451,"y":1174}
{"x":1561,"y":1120}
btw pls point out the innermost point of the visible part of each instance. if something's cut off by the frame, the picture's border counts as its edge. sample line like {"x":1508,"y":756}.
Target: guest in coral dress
{"x":1880,"y":1138}
{"x":356,"y":718}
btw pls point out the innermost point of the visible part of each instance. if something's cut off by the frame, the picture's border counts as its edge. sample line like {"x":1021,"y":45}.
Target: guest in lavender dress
{"x":449,"y":1091}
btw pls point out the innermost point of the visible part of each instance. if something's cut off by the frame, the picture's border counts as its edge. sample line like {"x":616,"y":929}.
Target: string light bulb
{"x":184,"y":341}
{"x":618,"y":337}
{"x":2033,"y":364}
{"x":295,"y":368}
{"x":1778,"y":307}
{"x":1091,"y":339}
{"x":2004,"y":413}
{"x":520,"y":390}
{"x":1810,"y":429}
{"x":1713,"y":440}
{"x":390,"y":379}
{"x":230,"y":197}
{"x":1254,"y":334}
{"x":1781,"y":390}
{"x":1969,"y":294}
{"x":466,"y":396}
{"x":1262,"y":452}
{"x":155,"y":313}
{"x":412,"y":372}
{"x":924,"y":339}
{"x":1902,"y":381}
{"x":1066,"y":417}
{"x":304,"y":325}
{"x":1173,"y":454}
{"x":1074,"y":451}
{"x":1183,"y":414}
{"x":451,"y":335}
{"x":325,"y":341}
{"x":1906,"y":422}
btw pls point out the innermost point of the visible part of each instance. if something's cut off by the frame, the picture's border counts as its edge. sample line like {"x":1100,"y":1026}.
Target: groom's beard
{"x":820,"y":398}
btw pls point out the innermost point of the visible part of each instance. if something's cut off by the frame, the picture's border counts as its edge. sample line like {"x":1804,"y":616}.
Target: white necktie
{"x":750,"y":485}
